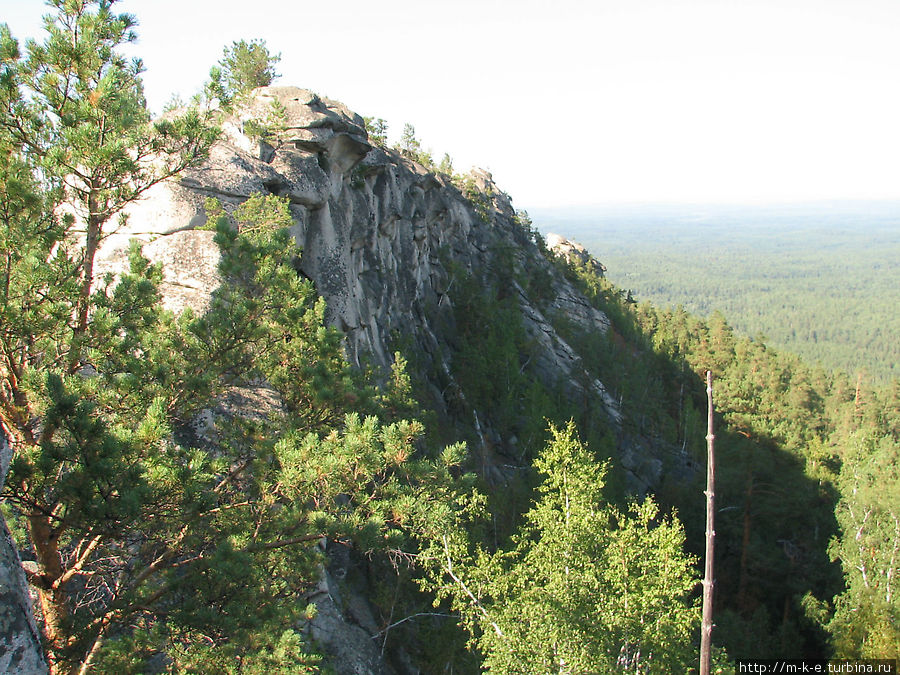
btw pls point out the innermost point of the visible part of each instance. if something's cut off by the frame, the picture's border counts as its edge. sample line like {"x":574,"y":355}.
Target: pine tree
{"x":446,"y":165}
{"x":74,"y":125}
{"x":376,"y":128}
{"x":244,"y":66}
{"x":409,"y":144}
{"x":144,"y":540}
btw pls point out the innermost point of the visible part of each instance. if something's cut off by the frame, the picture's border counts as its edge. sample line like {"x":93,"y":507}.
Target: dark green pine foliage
{"x":142,"y":540}
{"x":75,"y":128}
{"x":495,"y":379}
{"x":163,"y":544}
{"x":269,"y":319}
{"x":244,"y":66}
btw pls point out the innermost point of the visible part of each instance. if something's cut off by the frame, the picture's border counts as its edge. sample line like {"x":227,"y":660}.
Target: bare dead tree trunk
{"x":708,"y":583}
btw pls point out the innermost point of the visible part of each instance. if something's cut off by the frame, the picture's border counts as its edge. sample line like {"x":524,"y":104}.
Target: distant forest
{"x":820,"y":280}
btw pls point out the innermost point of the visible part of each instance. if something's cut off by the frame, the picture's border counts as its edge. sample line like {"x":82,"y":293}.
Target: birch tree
{"x":585,"y":588}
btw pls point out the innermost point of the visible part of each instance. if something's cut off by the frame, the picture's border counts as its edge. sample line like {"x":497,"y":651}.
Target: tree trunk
{"x":92,"y":242}
{"x":53,"y":599}
{"x":708,"y":583}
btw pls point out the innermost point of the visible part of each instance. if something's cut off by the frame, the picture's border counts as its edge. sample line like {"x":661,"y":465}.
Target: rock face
{"x":381,"y":237}
{"x":378,"y":232}
{"x":20,"y":644}
{"x":574,"y":253}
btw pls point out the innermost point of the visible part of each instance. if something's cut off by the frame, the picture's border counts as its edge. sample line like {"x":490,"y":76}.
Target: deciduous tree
{"x":586,"y":587}
{"x":867,"y":613}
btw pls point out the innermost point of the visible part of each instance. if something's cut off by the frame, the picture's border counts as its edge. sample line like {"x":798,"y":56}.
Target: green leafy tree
{"x":867,"y":613}
{"x":586,"y":588}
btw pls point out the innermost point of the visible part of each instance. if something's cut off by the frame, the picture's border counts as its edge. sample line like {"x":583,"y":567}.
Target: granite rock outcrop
{"x":381,"y":237}
{"x":378,"y":231}
{"x":20,"y":643}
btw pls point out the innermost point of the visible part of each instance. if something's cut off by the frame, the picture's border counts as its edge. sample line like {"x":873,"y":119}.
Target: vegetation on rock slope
{"x":799,"y":449}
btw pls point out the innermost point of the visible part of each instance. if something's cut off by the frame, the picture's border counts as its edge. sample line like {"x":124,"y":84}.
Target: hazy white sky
{"x":581,"y":101}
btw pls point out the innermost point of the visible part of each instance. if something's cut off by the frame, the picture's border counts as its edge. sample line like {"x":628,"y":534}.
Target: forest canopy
{"x":820,"y":280}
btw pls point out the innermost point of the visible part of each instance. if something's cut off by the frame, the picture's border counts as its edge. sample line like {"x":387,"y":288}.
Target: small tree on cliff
{"x":410,"y":146}
{"x":244,"y":66}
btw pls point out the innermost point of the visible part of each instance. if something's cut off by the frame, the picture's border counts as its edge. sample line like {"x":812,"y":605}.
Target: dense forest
{"x":151,"y":547}
{"x":820,"y":280}
{"x":806,"y":465}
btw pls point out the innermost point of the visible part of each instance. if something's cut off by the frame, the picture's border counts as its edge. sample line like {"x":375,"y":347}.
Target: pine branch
{"x":78,"y":567}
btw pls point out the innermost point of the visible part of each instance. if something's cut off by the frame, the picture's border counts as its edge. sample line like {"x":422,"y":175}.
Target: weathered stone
{"x":20,"y":643}
{"x":344,"y":625}
{"x":574,"y":253}
{"x":189,"y":260}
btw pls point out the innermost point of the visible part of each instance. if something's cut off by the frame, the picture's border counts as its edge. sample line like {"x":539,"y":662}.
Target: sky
{"x":578,"y":102}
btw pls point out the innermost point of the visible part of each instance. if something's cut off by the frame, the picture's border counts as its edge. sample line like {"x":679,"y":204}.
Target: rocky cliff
{"x":379,"y":233}
{"x":20,"y":644}
{"x":385,"y":240}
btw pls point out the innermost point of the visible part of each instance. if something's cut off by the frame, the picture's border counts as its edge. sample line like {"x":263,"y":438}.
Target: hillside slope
{"x":501,"y":337}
